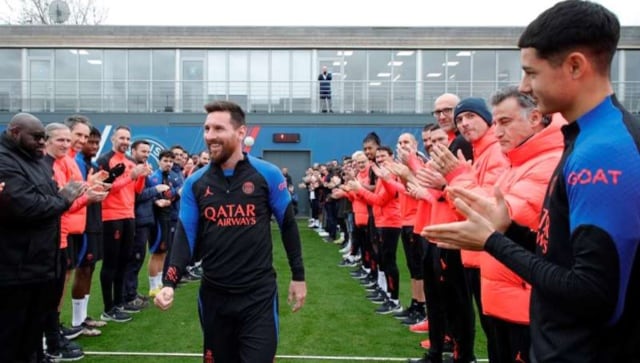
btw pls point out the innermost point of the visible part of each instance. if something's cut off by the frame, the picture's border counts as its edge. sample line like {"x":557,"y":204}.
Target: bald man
{"x":30,"y":210}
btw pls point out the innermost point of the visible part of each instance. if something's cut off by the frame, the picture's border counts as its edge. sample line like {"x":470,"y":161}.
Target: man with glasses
{"x":30,"y":210}
{"x":585,"y":273}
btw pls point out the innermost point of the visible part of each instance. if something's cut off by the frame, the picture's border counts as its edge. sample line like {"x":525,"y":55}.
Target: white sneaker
{"x":323,"y":234}
{"x":346,"y":248}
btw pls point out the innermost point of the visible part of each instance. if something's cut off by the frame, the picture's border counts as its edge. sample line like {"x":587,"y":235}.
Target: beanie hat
{"x":475,"y":105}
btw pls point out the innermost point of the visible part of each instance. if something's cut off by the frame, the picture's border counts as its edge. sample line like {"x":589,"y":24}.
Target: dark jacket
{"x":325,"y":84}
{"x":30,"y":210}
{"x":226,"y":222}
{"x":94,"y":210}
{"x":144,"y":206}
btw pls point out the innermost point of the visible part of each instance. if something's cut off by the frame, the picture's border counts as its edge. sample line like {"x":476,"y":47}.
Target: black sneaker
{"x":129,"y":308}
{"x":415,"y":318}
{"x":347,"y":263}
{"x":65,"y":355}
{"x":189,"y":278}
{"x":378,"y":300}
{"x":139,"y":302}
{"x":373,"y":295}
{"x":70,"y":333}
{"x":143,"y":297}
{"x":196,"y":271}
{"x":389,"y":307}
{"x":67,"y":351}
{"x":405,"y":313}
{"x":115,"y":315}
{"x":372,"y":288}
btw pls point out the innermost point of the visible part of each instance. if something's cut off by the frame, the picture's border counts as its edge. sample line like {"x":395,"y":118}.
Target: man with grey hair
{"x":30,"y":208}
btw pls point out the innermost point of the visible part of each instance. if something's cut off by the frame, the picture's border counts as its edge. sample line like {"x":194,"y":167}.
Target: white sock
{"x":152,"y":282}
{"x":85,"y":307}
{"x":395,"y":302}
{"x":158,"y":278}
{"x":382,"y":282}
{"x":76,"y":311}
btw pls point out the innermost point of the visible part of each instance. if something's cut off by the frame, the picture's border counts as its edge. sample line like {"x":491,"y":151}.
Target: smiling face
{"x":59,"y":143}
{"x":121,"y":140}
{"x":550,"y":85}
{"x":369,"y":149}
{"x":222,"y":136}
{"x":79,"y":136}
{"x":382,"y":157}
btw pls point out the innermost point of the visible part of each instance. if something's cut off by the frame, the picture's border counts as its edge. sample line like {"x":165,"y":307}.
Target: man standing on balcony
{"x":324,"y":80}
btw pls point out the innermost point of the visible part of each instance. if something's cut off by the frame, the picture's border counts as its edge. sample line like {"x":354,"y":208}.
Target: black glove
{"x":115,"y":172}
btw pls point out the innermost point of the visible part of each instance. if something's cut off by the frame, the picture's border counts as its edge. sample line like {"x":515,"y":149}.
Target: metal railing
{"x":269,"y":97}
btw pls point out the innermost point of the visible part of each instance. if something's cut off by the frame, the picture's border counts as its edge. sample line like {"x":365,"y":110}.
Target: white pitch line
{"x":300,"y":357}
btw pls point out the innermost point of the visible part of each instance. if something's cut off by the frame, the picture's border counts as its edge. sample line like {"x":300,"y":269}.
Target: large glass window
{"x":90,"y":80}
{"x":457,"y":67}
{"x":433,"y":77}
{"x":354,"y":80}
{"x":238,"y":77}
{"x":139,"y":76}
{"x":484,"y":73}
{"x":259,"y":73}
{"x":631,"y":97}
{"x":66,"y":78}
{"x":10,"y":79}
{"x":193,"y":80}
{"x":403,"y":80}
{"x":114,"y":66}
{"x":302,"y":80}
{"x":163,"y":77}
{"x":381,"y":67}
{"x":217,"y":85}
{"x":280,"y":80}
{"x":509,"y":68}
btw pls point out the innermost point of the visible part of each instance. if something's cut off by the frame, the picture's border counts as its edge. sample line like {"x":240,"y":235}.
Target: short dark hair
{"x":123,"y":127}
{"x":430,"y":127}
{"x":95,"y":132}
{"x":73,"y":120}
{"x":139,"y":142}
{"x":237,"y":115}
{"x":385,"y":148}
{"x":166,"y":154}
{"x":371,"y":137}
{"x":178,"y":147}
{"x":570,"y":25}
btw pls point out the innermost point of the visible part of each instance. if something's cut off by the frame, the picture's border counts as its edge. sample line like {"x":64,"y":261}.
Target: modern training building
{"x":157,"y":79}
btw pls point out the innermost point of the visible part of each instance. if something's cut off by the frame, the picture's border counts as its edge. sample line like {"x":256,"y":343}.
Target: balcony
{"x":119,"y":96}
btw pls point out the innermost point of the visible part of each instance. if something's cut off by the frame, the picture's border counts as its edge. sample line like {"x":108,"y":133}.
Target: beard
{"x":220,"y":155}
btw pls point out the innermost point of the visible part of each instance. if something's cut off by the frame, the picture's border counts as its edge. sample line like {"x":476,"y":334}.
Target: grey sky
{"x":342,"y":12}
{"x":338,"y":12}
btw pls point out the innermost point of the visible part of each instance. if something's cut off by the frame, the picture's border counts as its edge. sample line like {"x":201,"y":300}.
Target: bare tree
{"x":81,"y":12}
